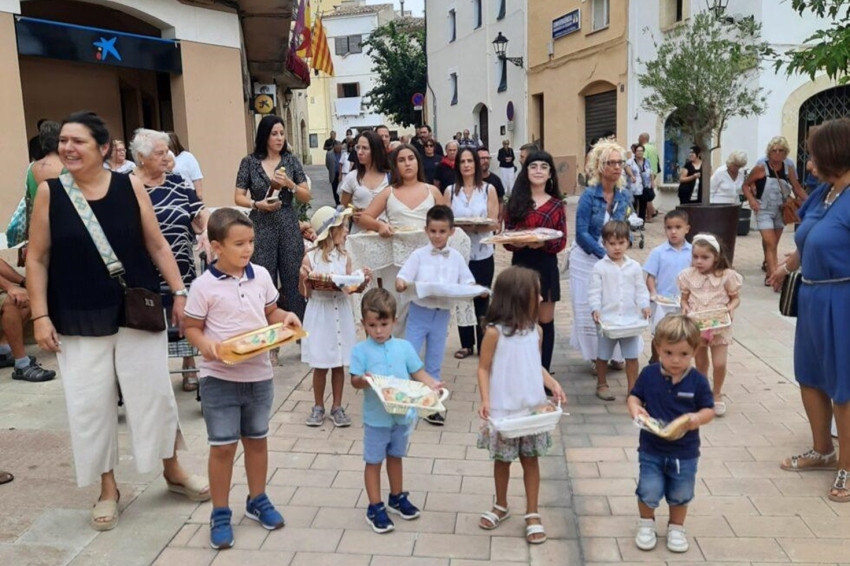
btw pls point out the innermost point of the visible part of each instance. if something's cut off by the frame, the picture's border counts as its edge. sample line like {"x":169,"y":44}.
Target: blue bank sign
{"x":566,"y":24}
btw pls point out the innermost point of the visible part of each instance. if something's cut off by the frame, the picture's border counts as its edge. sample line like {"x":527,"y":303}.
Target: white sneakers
{"x":646,"y":537}
{"x":676,"y":539}
{"x":719,"y":408}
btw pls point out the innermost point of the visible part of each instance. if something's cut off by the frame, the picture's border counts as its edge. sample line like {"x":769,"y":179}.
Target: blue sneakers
{"x":401,"y":505}
{"x":378,"y":519}
{"x":221,"y":532}
{"x":260,"y":509}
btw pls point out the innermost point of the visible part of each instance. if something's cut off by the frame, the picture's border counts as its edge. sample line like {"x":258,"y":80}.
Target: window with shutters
{"x":347,"y":90}
{"x":600,"y":14}
{"x":452,"y":25}
{"x":502,"y":7}
{"x":348,"y":44}
{"x":600,"y":116}
{"x":477,"y":13}
{"x":453,"y":87}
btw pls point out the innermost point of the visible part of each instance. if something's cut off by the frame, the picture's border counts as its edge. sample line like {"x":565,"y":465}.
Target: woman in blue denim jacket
{"x":604,"y":199}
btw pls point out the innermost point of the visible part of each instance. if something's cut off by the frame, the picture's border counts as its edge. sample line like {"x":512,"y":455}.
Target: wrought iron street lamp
{"x":717,"y":7}
{"x":500,"y":44}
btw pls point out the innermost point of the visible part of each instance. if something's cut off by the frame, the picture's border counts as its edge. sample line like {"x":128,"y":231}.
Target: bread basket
{"x":400,"y":395}
{"x":526,"y":425}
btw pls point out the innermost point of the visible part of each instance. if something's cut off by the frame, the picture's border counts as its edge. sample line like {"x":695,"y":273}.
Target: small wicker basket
{"x":322,"y":282}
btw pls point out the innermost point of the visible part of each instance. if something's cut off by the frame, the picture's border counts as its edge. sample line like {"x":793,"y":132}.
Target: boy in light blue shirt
{"x":385,"y":436}
{"x":664,"y":264}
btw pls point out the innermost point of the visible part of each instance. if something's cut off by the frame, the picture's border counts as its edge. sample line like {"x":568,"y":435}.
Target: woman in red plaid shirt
{"x":536,"y":203}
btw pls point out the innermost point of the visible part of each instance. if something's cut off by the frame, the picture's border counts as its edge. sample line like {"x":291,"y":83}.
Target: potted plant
{"x":703,"y":70}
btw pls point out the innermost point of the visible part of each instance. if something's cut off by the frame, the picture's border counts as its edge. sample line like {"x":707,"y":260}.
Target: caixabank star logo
{"x":105,"y":48}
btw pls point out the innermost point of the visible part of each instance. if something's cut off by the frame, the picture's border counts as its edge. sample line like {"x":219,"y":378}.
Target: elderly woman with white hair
{"x":604,"y":199}
{"x":727,"y":181}
{"x":179,"y":211}
{"x":769,"y":184}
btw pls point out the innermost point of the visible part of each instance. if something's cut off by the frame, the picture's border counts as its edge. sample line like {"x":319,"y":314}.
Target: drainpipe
{"x":427,"y":73}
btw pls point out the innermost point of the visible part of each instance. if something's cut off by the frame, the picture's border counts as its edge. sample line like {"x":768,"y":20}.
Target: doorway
{"x":484,"y":125}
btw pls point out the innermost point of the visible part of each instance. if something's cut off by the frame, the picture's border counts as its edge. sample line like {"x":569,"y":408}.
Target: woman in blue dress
{"x":821,"y":355}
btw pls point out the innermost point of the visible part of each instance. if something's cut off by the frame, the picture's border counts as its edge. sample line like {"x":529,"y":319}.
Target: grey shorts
{"x":769,"y":217}
{"x":235,"y":409}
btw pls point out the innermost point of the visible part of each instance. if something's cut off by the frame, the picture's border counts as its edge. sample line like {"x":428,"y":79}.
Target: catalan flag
{"x":321,"y":50}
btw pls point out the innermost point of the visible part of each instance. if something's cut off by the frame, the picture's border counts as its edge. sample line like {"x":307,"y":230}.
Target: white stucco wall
{"x":472,"y":57}
{"x":781,"y":27}
{"x":353,"y":68}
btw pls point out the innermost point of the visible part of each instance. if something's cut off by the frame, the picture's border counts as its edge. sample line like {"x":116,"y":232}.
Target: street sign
{"x":418,"y":99}
{"x":566,"y":24}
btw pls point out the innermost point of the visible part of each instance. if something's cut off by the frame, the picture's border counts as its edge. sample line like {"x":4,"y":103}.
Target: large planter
{"x":718,"y":219}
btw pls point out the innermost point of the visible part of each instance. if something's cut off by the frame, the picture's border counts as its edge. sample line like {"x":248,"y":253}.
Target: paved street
{"x":747,"y":511}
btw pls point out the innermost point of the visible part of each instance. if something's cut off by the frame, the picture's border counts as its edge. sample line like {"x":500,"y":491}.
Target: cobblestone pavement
{"x":747,"y":511}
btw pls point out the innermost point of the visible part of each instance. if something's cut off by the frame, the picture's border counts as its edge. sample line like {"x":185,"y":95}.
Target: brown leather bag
{"x":789,"y":210}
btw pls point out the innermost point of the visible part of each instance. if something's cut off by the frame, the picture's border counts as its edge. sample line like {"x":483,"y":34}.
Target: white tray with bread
{"x":539,"y":420}
{"x":616,"y":331}
{"x":531,"y":236}
{"x":673,"y":430}
{"x":400,"y":395}
{"x":473,"y":221}
{"x":449,"y":290}
{"x":251,"y":344}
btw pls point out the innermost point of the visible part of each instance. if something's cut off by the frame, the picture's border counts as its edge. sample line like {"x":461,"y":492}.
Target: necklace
{"x":832,"y":195}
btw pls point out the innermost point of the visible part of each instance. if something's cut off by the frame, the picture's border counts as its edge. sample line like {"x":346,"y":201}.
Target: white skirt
{"x":329,"y":322}
{"x":585,"y":335}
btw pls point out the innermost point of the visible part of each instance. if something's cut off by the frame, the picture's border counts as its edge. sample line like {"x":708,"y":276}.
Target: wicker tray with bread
{"x":400,"y":395}
{"x":473,"y":221}
{"x":711,"y":319}
{"x":251,"y":344}
{"x":335,"y":282}
{"x":531,"y":236}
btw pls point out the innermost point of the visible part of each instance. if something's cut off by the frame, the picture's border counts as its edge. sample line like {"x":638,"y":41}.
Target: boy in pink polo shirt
{"x":232,"y":297}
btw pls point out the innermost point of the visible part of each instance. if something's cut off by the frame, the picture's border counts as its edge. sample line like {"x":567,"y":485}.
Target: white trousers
{"x":507,"y":174}
{"x":92,"y":368}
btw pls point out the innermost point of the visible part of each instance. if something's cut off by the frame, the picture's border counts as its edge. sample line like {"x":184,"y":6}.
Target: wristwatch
{"x":181,"y":293}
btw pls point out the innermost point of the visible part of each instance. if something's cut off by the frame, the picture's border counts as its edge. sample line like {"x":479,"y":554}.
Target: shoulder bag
{"x":788,"y":295}
{"x":142,"y":308}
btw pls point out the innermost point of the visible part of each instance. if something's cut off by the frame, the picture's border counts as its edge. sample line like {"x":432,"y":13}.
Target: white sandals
{"x":493,"y":518}
{"x":531,"y":530}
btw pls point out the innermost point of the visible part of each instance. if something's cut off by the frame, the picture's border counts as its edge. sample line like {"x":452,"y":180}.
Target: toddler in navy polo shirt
{"x":666,"y":391}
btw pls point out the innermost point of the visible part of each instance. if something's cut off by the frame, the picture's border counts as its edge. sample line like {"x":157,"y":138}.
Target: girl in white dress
{"x":511,"y":381}
{"x":328,"y":318}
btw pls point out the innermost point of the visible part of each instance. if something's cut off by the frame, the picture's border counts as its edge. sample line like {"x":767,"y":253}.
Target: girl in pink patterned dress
{"x":711,"y":283}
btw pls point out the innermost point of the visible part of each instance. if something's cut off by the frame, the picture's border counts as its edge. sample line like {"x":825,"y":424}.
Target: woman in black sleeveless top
{"x":77,"y":308}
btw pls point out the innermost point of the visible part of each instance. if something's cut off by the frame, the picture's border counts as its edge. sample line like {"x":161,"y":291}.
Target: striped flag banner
{"x":321,"y":50}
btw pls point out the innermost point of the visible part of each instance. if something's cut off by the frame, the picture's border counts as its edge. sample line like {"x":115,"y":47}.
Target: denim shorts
{"x":236,"y":409}
{"x":382,"y":441}
{"x":671,"y":478}
{"x":628,"y":347}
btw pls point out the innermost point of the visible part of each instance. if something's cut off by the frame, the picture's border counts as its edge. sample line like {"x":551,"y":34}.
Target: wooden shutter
{"x":600,"y":115}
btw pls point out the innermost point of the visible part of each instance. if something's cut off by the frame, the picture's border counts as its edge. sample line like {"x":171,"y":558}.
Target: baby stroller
{"x":636,"y":226}
{"x":179,"y":346}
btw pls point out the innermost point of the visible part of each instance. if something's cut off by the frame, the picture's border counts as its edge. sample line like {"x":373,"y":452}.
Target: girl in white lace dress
{"x":511,"y":381}
{"x":328,"y":318}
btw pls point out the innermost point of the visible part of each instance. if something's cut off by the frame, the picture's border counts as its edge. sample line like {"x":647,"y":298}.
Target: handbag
{"x":142,"y":308}
{"x":789,"y":210}
{"x":649,"y":194}
{"x":788,"y":295}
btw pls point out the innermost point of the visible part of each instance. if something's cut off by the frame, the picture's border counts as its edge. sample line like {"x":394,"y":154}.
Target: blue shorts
{"x":379,"y":442}
{"x":236,"y":409}
{"x":628,"y":347}
{"x":671,"y":478}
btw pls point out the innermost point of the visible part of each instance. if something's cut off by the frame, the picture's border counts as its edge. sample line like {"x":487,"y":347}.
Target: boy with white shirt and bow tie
{"x":428,"y":318}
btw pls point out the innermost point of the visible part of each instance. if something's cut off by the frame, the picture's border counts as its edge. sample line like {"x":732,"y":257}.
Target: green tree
{"x":397,"y":50}
{"x":828,"y":49}
{"x":704,"y":71}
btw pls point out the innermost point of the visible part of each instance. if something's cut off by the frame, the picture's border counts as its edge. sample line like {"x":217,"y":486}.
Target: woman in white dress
{"x":471,"y":197}
{"x":727,"y":182}
{"x":371,"y":177}
{"x":604,"y":199}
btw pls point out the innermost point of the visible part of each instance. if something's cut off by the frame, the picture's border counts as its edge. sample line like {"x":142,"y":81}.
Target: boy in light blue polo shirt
{"x":664,"y":264}
{"x":385,"y":436}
